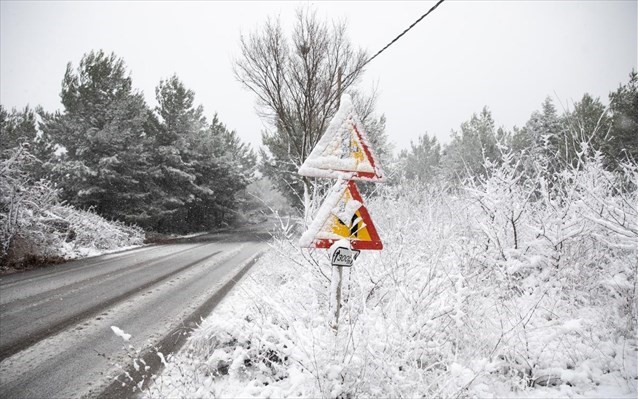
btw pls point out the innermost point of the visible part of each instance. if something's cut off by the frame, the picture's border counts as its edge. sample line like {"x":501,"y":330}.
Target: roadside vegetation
{"x":502,"y":286}
{"x":38,"y":229}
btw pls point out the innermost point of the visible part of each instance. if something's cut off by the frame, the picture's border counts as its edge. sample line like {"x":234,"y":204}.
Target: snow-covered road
{"x":56,"y":338}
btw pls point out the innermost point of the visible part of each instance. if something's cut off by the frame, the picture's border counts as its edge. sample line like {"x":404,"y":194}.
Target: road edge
{"x":171,"y":342}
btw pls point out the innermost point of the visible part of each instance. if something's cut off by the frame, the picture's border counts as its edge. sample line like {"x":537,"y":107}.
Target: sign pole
{"x":339,"y":272}
{"x":342,"y":255}
{"x":335,"y":297}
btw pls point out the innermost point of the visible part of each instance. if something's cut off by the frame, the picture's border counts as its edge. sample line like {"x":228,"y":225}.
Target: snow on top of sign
{"x":343,"y":152}
{"x":341,"y":243}
{"x":331,"y":201}
{"x":345,"y":210}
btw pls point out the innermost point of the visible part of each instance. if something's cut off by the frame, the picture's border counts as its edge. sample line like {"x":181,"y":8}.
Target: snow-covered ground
{"x":504,"y":288}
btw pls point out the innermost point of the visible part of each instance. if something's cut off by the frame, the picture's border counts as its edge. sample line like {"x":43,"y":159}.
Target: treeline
{"x":560,"y":138}
{"x":167,"y":169}
{"x":323,"y":64}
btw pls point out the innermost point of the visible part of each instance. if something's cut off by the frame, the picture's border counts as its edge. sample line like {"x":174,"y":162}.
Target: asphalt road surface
{"x":56,"y":339}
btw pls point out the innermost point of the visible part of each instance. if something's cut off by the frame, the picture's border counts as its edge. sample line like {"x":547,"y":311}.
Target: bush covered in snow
{"x":509,"y":286}
{"x":35,"y":227}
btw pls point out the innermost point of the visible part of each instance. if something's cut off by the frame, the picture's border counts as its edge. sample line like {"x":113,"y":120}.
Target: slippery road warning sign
{"x":342,"y":216}
{"x":343,"y":152}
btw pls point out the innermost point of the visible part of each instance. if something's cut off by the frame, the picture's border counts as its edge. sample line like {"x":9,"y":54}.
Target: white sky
{"x":508,"y":55}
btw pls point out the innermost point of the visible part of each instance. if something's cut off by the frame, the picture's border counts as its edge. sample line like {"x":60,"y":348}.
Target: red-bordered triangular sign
{"x":343,"y":152}
{"x":342,"y":216}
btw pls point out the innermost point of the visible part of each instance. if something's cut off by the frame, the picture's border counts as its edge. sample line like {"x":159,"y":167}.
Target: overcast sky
{"x":508,"y":55}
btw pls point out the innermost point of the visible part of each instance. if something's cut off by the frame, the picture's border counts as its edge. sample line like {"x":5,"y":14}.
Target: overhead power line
{"x":404,"y":32}
{"x":339,"y":90}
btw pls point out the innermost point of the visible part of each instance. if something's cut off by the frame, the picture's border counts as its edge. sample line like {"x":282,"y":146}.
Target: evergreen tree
{"x":201,"y":168}
{"x":17,"y":128}
{"x":542,"y":128}
{"x":231,"y":149}
{"x":230,"y":173}
{"x":624,"y":114}
{"x":378,"y":139}
{"x":423,"y":160}
{"x":477,"y":141}
{"x":20,"y":129}
{"x":587,"y":125}
{"x":180,"y":122}
{"x":540,"y":138}
{"x":226,"y":167}
{"x":103,"y":133}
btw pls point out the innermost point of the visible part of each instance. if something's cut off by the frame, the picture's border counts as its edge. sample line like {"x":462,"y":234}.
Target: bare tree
{"x":298,"y":82}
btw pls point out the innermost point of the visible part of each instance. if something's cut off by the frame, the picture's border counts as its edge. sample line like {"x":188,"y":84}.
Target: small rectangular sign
{"x":344,"y":257}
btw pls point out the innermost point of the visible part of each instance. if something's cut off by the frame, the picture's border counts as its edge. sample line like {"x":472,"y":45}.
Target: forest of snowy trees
{"x":590,"y":123}
{"x":168,"y":169}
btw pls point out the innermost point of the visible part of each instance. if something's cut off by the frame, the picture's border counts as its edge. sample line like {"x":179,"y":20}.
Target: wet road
{"x":56,"y":339}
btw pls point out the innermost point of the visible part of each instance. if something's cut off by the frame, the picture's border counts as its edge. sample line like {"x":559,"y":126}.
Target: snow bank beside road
{"x":36,"y":228}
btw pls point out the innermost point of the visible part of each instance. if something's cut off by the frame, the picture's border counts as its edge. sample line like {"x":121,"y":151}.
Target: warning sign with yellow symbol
{"x":342,"y":216}
{"x":343,"y":152}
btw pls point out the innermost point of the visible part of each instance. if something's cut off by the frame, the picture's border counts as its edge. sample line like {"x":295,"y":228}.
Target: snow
{"x":318,"y":228}
{"x":345,"y":210}
{"x":342,"y":243}
{"x":343,"y":152}
{"x":120,"y":333}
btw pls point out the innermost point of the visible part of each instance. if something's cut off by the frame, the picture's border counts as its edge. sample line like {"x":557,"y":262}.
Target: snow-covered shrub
{"x":563,"y":263}
{"x":508,"y":287}
{"x":36,"y":227}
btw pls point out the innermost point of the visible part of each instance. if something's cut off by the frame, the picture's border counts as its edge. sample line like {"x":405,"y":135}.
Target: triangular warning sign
{"x":342,"y":216}
{"x":343,"y":152}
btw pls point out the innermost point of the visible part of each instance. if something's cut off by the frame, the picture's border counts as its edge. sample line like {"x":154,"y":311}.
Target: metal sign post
{"x":335,"y":298}
{"x":341,"y":256}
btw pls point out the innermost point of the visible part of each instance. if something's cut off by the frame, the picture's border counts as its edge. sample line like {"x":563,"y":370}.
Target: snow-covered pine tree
{"x":540,"y":126}
{"x":237,"y":166}
{"x":588,"y":123}
{"x":623,"y":105}
{"x":103,"y":132}
{"x":538,"y":139}
{"x":422,"y":161}
{"x":174,"y":159}
{"x":200,"y":167}
{"x":463,"y":157}
{"x":17,"y":127}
